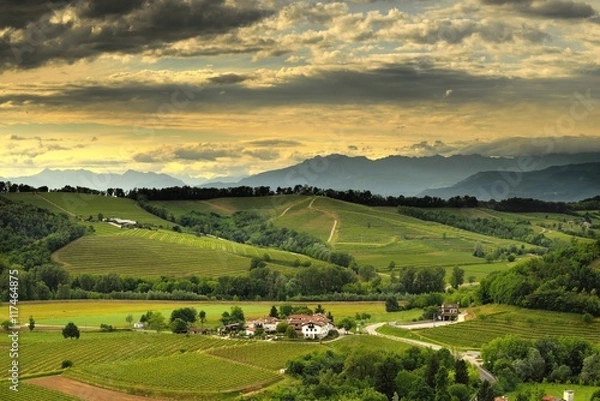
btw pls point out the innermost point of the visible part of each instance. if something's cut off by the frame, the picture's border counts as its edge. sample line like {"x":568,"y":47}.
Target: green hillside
{"x":84,"y":205}
{"x":143,"y":252}
{"x":374,"y":236}
{"x":148,"y":253}
{"x":493,"y":321}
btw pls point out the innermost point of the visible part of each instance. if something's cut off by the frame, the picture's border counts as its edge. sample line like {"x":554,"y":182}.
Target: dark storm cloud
{"x":18,"y":13}
{"x":274,"y":143}
{"x":393,"y":84}
{"x":228,"y":79}
{"x":116,"y":27}
{"x":559,"y":9}
{"x":103,"y":8}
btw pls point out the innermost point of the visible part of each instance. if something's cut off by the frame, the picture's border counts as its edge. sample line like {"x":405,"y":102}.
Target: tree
{"x":157,"y":322}
{"x":485,"y":392}
{"x":70,"y":331}
{"x":391,"y":304}
{"x":290,"y":332}
{"x":347,"y":324}
{"x":319,"y":309}
{"x":6,"y":325}
{"x":461,"y":372}
{"x":31,"y":323}
{"x":273,"y":312}
{"x":459,"y":392}
{"x":590,"y":373}
{"x":457,"y":277}
{"x":282,"y":327}
{"x":595,"y":396}
{"x":478,"y":250}
{"x":202,"y":316}
{"x":188,"y":315}
{"x":100,"y":216}
{"x":129,"y":319}
{"x":179,"y":326}
{"x":256,"y":263}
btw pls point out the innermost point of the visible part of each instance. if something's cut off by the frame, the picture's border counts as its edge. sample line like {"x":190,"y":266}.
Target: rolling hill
{"x":147,"y":252}
{"x":572,"y":182}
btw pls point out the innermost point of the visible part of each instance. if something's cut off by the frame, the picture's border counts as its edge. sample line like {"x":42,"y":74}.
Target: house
{"x":268,"y":324}
{"x":138,"y":326}
{"x":198,"y":330}
{"x":117,"y":222}
{"x":311,"y":326}
{"x":448,"y":312}
{"x":503,"y":398}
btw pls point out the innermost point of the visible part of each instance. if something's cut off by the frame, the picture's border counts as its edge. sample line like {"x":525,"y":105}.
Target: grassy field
{"x":90,"y":313}
{"x":582,"y":393}
{"x":84,"y":205}
{"x":495,"y":321}
{"x":270,"y":207}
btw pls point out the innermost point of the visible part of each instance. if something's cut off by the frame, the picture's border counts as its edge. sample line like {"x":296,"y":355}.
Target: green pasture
{"x":269,"y":206}
{"x":582,"y":393}
{"x":491,"y":322}
{"x":93,"y":313}
{"x":85,"y":205}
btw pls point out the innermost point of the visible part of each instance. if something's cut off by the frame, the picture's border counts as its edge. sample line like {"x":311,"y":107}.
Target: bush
{"x":67,"y":363}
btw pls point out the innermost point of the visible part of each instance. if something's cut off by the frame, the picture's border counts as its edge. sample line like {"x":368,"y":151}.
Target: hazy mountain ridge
{"x":398,"y":175}
{"x":100,"y":181}
{"x":558,"y":183}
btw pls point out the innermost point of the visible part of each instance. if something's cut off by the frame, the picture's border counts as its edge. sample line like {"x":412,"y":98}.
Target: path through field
{"x":310,"y":206}
{"x":55,"y":205}
{"x":85,"y":391}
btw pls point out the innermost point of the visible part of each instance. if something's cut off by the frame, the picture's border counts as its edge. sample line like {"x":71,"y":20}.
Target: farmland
{"x":84,"y":205}
{"x":166,"y":253}
{"x":374,"y":236}
{"x":33,"y":393}
{"x":496,"y":321}
{"x":93,"y":313}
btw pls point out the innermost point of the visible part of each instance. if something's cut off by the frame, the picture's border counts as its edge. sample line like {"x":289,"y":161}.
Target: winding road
{"x":469,"y":356}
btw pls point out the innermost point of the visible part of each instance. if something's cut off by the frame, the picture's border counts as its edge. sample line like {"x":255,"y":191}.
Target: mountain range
{"x":100,"y":181}
{"x":481,"y":176}
{"x":399,"y":175}
{"x":559,"y":183}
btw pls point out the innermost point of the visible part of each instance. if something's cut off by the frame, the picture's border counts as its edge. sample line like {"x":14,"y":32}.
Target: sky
{"x":217,"y":88}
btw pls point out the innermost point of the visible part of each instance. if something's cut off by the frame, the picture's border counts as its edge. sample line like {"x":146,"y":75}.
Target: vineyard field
{"x":184,"y":376}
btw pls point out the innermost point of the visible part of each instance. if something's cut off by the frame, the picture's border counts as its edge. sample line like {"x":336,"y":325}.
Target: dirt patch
{"x":84,"y":391}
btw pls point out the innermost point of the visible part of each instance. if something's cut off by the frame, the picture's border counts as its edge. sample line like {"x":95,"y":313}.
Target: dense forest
{"x":361,"y":374}
{"x":553,"y":359}
{"x":28,"y":234}
{"x":563,"y":280}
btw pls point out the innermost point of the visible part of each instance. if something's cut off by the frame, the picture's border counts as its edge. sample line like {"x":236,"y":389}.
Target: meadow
{"x":84,"y":205}
{"x":88,"y":313}
{"x":492,"y":321}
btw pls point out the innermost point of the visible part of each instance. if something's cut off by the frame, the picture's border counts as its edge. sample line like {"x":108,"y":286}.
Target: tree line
{"x":563,"y":280}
